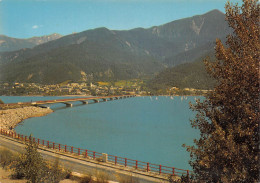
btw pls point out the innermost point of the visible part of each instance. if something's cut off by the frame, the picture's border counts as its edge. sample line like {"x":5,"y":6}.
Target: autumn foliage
{"x":228,"y":118}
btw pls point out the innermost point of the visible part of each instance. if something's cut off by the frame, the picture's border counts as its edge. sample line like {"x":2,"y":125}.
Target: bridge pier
{"x":104,"y":99}
{"x":68,"y":104}
{"x":84,"y":102}
{"x":104,"y":157}
{"x":96,"y":101}
{"x":42,"y":106}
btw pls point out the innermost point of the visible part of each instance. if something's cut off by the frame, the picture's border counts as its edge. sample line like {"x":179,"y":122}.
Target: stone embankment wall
{"x":9,"y":118}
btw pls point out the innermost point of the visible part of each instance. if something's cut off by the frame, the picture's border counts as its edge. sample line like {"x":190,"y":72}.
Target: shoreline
{"x":10,"y":118}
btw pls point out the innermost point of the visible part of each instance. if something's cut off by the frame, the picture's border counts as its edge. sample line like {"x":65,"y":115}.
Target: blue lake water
{"x":140,"y":128}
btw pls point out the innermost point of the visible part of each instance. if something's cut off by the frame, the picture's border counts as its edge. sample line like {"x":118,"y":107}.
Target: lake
{"x":149,"y":129}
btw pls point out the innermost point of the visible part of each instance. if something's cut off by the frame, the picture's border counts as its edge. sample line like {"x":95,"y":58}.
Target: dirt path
{"x":5,"y":177}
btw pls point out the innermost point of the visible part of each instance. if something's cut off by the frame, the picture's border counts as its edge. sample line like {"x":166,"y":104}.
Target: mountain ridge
{"x":123,"y":54}
{"x":12,"y":44}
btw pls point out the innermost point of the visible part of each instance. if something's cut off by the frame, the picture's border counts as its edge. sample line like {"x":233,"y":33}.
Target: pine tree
{"x":30,"y":164}
{"x":34,"y":164}
{"x":228,"y":118}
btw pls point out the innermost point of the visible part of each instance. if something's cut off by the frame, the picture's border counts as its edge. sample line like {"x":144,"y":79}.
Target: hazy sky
{"x":28,"y":18}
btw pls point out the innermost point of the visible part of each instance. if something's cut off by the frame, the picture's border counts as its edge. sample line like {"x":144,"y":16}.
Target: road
{"x":83,"y":166}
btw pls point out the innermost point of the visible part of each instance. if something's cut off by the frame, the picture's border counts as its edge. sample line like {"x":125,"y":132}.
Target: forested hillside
{"x":188,"y":75}
{"x":110,"y":55}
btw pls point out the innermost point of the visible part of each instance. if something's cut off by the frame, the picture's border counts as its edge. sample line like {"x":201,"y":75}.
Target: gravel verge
{"x":9,"y":118}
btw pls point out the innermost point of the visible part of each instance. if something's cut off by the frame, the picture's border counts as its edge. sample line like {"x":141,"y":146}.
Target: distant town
{"x":134,"y":87}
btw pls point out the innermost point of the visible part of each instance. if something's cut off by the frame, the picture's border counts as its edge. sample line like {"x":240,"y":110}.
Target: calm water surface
{"x":143,"y":128}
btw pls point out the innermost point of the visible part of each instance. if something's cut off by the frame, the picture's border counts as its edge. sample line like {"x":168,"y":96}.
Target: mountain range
{"x":103,"y":54}
{"x":13,"y":44}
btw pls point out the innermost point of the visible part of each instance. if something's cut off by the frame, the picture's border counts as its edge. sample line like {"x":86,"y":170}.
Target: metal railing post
{"x":125,"y":162}
{"x":115,"y":160}
{"x":173,"y":171}
{"x":160,"y":169}
{"x":136,"y":164}
{"x":86,"y":153}
{"x":148,"y":167}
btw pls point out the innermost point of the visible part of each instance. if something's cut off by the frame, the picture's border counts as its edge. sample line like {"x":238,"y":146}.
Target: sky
{"x":28,"y":18}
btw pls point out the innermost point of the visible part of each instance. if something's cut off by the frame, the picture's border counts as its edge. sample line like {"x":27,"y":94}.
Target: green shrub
{"x":18,"y":168}
{"x":6,"y":157}
{"x":34,"y":168}
{"x":55,"y":173}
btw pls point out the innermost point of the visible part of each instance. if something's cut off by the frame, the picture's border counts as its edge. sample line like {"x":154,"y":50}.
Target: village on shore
{"x":132,"y":87}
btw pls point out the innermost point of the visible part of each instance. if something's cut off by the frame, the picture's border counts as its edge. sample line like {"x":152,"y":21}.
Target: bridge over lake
{"x":69,"y":102}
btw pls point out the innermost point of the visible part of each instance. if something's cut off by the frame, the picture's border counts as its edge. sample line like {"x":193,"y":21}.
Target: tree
{"x":35,"y":166}
{"x":228,"y":118}
{"x":31,"y":164}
